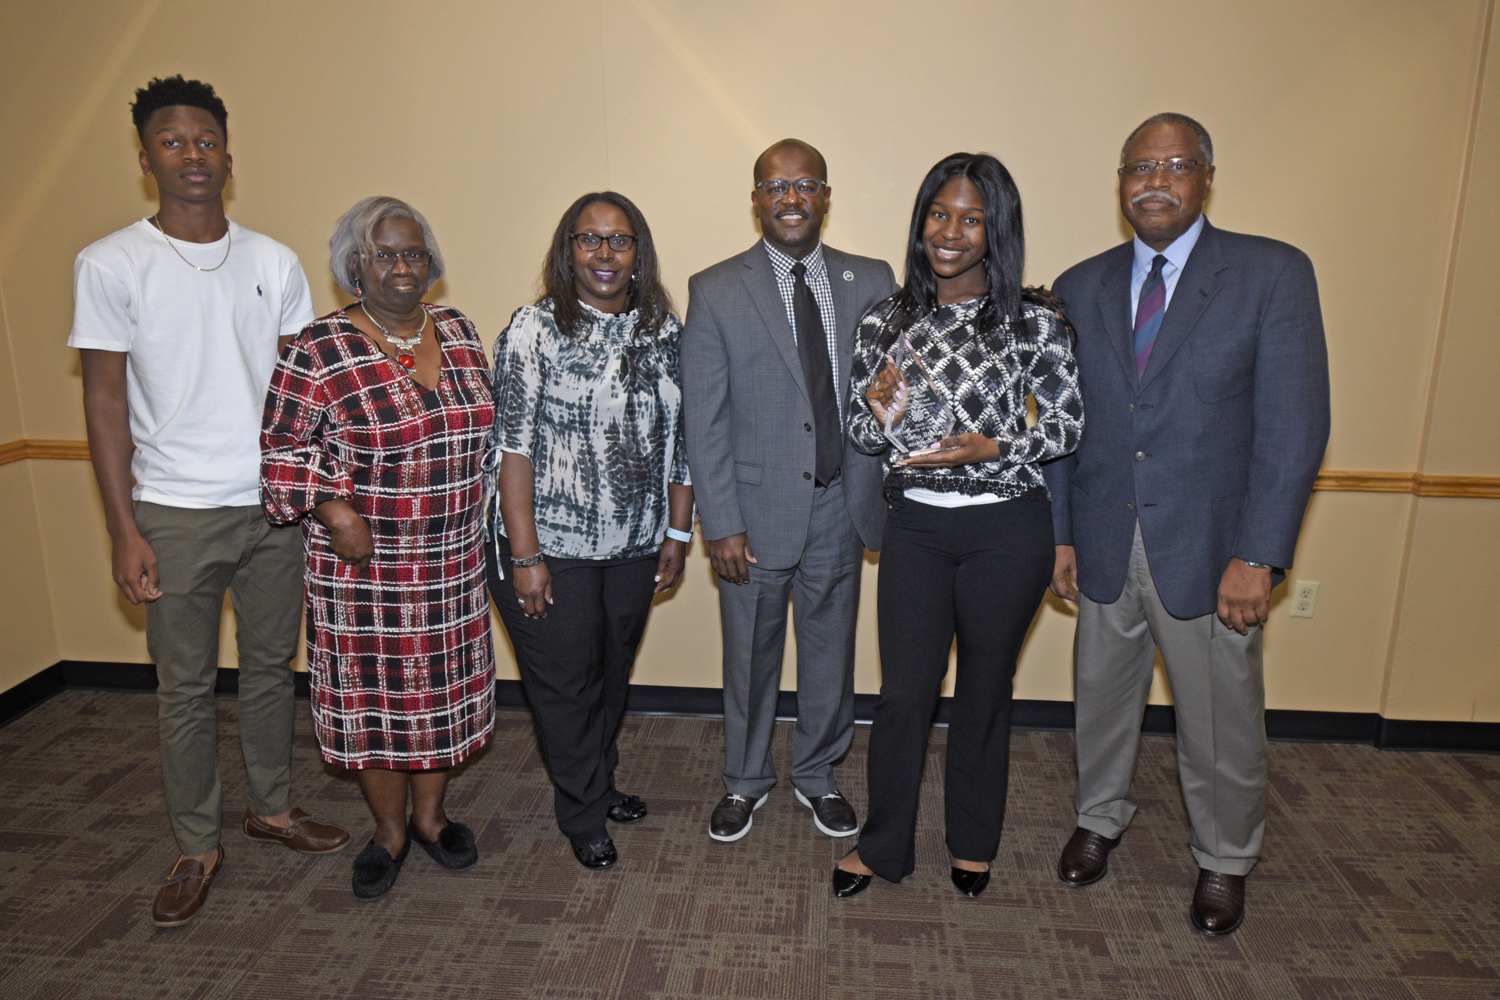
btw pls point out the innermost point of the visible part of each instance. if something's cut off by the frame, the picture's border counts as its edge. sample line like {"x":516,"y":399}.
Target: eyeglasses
{"x":809,"y":186}
{"x":1175,"y":167}
{"x":385,"y":260}
{"x":619,"y":242}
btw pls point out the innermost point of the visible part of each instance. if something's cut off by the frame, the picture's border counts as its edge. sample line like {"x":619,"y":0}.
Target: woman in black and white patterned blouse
{"x":595,"y":508}
{"x":940,"y":378}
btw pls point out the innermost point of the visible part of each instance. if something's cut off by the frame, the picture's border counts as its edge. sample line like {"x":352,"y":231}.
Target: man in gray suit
{"x":786,"y":503}
{"x":1205,"y":378}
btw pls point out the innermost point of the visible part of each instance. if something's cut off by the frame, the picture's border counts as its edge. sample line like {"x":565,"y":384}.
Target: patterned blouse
{"x":601,"y":420}
{"x":986,"y":381}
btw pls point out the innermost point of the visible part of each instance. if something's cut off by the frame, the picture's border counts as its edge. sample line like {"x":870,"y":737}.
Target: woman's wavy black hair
{"x":647,"y":294}
{"x":1004,"y":235}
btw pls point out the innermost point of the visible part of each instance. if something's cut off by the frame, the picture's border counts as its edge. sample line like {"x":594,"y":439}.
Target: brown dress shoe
{"x":306,"y":833}
{"x":1218,"y":902}
{"x":186,"y":889}
{"x":1085,"y":859}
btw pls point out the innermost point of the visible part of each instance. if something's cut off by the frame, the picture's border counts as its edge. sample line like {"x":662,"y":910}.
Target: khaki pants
{"x":1220,"y":697}
{"x":201,"y":554}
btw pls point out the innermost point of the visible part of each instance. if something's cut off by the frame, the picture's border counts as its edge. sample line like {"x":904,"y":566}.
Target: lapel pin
{"x":848,"y":275}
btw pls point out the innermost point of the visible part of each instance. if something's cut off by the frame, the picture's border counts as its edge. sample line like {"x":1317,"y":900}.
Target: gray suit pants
{"x":1219,"y":693}
{"x":824,"y":590}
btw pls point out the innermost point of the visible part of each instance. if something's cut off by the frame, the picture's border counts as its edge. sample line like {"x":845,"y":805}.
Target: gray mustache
{"x":1171,"y":198}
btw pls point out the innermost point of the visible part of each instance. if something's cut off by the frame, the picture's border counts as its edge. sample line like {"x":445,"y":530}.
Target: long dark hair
{"x":647,"y":294}
{"x":1004,"y":235}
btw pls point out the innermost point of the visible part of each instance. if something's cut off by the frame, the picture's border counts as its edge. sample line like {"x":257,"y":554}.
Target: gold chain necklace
{"x":228,"y":246}
{"x":404,"y":354}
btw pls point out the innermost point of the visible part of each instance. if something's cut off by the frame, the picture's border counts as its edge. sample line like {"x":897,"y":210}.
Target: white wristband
{"x":681,"y":536}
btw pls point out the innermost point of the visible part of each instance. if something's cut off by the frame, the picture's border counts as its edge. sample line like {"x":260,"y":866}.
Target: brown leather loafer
{"x":306,"y":833}
{"x":1085,"y":858}
{"x":1218,"y":902}
{"x":182,"y":897}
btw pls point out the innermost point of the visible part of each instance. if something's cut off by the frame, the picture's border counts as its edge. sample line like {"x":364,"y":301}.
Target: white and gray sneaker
{"x":732,"y":817}
{"x":832,"y":813}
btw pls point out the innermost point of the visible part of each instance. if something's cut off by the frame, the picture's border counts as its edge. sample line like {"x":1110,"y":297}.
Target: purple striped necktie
{"x":1149,"y":311}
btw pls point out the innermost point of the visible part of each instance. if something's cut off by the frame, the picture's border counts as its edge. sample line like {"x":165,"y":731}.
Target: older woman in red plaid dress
{"x":375,"y":426}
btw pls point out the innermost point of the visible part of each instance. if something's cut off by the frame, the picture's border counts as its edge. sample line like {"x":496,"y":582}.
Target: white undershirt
{"x":938,"y":499}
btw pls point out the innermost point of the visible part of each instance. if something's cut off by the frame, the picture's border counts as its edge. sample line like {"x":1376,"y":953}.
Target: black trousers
{"x":575,"y":668}
{"x":977,"y":572}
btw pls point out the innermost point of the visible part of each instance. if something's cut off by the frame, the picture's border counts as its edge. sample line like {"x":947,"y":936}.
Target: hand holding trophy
{"x":891,"y":396}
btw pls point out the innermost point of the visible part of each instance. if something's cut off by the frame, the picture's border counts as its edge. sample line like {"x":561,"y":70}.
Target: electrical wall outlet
{"x":1304,"y":598}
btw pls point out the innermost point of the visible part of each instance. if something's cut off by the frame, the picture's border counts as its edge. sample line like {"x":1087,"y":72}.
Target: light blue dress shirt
{"x":1176,"y":254}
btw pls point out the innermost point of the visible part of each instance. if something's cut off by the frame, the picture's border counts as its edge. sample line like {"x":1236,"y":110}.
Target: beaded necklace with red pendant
{"x":404,"y":354}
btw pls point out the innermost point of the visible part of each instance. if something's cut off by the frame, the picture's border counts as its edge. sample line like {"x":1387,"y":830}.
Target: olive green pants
{"x":200,"y":555}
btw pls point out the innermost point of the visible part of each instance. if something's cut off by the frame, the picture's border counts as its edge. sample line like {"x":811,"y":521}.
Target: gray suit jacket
{"x":749,"y":423}
{"x":1216,"y":447}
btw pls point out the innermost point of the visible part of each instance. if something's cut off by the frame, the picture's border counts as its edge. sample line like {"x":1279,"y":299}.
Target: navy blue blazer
{"x":1216,"y":447}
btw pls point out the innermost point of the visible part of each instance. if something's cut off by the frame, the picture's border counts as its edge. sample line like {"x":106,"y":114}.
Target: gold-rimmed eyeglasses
{"x":1177,"y":166}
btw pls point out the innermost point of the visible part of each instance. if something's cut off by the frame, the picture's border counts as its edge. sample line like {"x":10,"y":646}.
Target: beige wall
{"x":1347,"y":128}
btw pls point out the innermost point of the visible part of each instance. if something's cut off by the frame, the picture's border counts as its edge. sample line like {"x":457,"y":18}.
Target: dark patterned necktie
{"x":1149,"y":312}
{"x":817,"y":371}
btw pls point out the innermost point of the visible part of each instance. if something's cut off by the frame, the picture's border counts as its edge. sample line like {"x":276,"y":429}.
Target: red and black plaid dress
{"x":402,"y":669}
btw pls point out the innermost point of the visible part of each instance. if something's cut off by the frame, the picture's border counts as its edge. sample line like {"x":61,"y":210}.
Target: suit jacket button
{"x":807,"y":427}
{"x":1140,"y":456}
{"x":807,"y":475}
{"x":1131,"y":505}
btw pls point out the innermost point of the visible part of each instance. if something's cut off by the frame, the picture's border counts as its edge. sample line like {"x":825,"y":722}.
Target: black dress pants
{"x":978,"y":572}
{"x":575,"y":668}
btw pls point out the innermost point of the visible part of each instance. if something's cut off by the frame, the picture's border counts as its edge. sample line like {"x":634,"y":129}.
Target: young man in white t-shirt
{"x":178,"y":319}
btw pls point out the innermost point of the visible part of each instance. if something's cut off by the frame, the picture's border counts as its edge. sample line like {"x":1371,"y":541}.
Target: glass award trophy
{"x":923,"y":395}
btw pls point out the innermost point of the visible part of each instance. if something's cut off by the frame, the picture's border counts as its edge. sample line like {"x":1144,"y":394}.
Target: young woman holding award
{"x":941,"y":374}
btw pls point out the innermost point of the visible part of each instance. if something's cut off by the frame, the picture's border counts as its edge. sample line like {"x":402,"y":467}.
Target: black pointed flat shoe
{"x":846,"y":884}
{"x":454,"y":848}
{"x":970,"y":883}
{"x":600,"y":854}
{"x":375,"y":870}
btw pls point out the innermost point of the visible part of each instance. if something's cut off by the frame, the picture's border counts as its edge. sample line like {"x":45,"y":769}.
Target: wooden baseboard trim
{"x":1332,"y":481}
{"x":15,"y":451}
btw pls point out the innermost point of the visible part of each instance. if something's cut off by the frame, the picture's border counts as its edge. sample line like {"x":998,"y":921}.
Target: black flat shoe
{"x":846,"y":884}
{"x":375,"y":870}
{"x":600,"y":854}
{"x":454,"y":848}
{"x":630,"y":809}
{"x":970,"y":883}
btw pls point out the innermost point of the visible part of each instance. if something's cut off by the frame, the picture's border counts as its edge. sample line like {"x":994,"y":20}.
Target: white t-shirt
{"x":200,"y":349}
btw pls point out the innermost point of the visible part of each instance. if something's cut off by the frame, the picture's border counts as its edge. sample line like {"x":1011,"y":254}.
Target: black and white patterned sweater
{"x":986,"y":380}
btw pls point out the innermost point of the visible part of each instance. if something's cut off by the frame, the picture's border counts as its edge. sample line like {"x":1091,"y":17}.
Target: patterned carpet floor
{"x":1381,"y":880}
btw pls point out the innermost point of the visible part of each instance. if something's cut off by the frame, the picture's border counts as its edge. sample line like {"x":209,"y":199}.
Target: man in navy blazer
{"x":1204,"y":374}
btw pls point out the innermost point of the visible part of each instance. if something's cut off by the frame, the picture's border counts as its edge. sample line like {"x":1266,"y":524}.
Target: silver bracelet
{"x":527,"y":562}
{"x":1254,"y":565}
{"x":681,"y":536}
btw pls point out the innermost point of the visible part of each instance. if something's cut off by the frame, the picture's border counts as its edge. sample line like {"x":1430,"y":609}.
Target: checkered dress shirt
{"x":817,"y":280}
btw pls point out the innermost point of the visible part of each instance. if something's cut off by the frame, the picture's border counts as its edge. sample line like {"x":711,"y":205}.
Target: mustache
{"x":1168,"y":196}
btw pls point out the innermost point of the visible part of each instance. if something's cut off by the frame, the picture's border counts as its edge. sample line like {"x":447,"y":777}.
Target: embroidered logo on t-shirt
{"x":259,"y":292}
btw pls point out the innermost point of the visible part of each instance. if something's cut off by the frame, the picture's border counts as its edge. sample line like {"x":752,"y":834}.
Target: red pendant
{"x":407,"y":361}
